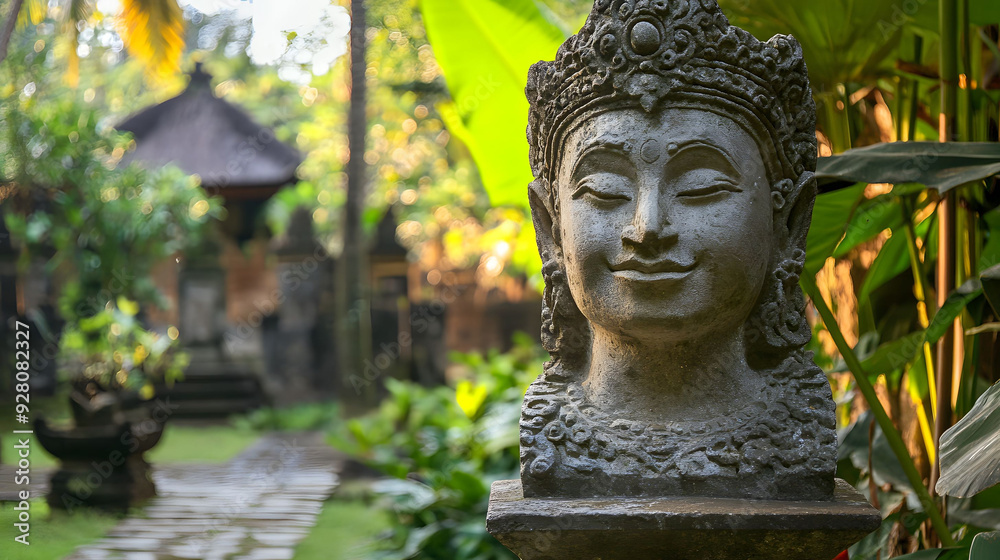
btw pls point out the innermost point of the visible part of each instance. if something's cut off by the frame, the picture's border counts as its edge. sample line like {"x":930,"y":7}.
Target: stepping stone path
{"x":256,"y":507}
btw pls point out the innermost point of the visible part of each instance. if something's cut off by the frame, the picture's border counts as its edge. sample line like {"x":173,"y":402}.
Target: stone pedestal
{"x":677,"y":528}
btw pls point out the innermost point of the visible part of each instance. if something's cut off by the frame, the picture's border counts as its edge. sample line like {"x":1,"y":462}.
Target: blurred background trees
{"x":445,"y":148}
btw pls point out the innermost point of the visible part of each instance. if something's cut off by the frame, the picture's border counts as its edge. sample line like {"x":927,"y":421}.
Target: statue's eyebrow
{"x":602,"y":143}
{"x":732,"y":167}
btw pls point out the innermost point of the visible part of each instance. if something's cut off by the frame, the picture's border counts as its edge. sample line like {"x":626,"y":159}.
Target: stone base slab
{"x":677,"y":528}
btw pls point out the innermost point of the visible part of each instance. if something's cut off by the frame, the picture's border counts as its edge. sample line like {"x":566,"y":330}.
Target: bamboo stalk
{"x":891,"y":433}
{"x":948,"y":11}
{"x":920,"y":292}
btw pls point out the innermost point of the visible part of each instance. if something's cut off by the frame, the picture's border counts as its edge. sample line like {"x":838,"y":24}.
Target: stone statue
{"x":673,"y":157}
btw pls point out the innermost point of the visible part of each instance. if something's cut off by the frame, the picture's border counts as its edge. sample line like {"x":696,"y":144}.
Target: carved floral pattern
{"x":639,"y":53}
{"x":788,"y":432}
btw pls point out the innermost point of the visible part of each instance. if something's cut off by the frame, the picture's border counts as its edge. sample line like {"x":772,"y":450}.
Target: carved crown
{"x":642,"y":52}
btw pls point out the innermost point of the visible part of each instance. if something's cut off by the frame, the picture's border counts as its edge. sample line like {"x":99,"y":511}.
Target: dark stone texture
{"x":673,"y":158}
{"x":678,"y":528}
{"x":681,"y":416}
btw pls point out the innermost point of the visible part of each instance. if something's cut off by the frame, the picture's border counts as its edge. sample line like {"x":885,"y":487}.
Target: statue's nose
{"x":650,"y":226}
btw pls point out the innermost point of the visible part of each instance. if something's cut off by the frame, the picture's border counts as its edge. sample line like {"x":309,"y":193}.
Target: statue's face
{"x":665,"y":222}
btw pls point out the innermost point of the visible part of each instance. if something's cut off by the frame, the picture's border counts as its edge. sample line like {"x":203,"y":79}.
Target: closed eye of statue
{"x":604,"y":187}
{"x":715,"y":190}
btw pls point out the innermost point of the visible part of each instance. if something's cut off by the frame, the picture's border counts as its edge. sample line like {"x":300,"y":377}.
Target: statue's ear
{"x":542,"y":215}
{"x":799,"y":206}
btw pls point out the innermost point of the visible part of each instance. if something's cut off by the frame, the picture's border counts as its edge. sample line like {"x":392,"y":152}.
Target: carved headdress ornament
{"x":655,"y":54}
{"x":640,"y":52}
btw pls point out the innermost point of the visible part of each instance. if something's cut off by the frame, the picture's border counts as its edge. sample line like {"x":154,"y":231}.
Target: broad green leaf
{"x":985,"y":546}
{"x":983,"y":518}
{"x":990,"y":255}
{"x":940,"y":166}
{"x":848,"y":41}
{"x":830,"y":217}
{"x":484,"y":48}
{"x":894,"y":355}
{"x":990,"y":279}
{"x":892,"y":260}
{"x":952,"y":307}
{"x":854,"y":444}
{"x":970,"y":449}
{"x":871,"y":218}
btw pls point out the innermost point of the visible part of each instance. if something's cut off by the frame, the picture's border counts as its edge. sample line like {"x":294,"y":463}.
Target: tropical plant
{"x":113,"y":350}
{"x":443,"y":447}
{"x":153,"y":30}
{"x":96,"y":226}
{"x":868,"y":62}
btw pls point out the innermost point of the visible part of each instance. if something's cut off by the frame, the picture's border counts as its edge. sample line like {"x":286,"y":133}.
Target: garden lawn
{"x":179,"y":444}
{"x":346,"y":529}
{"x":54,"y":534}
{"x":201,"y":444}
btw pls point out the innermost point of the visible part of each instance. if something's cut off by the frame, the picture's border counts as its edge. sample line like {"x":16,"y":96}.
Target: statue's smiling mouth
{"x":634,"y":268}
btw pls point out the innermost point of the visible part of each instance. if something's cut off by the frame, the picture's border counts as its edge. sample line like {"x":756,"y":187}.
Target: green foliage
{"x":485,"y":48}
{"x":831,"y":217}
{"x":843,"y":42}
{"x":98,"y":226}
{"x":346,"y":529}
{"x":985,"y":546}
{"x":970,"y":448}
{"x":313,"y":416}
{"x":112,"y":348}
{"x":444,"y":448}
{"x":938,"y":166}
{"x":106,"y":225}
{"x":54,"y":534}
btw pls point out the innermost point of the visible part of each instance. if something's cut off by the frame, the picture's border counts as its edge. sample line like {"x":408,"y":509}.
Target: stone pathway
{"x":256,"y":507}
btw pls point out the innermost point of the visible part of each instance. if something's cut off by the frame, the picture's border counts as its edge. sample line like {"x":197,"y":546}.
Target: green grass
{"x":345,"y":530}
{"x":53,"y":534}
{"x":201,"y":444}
{"x":179,"y":444}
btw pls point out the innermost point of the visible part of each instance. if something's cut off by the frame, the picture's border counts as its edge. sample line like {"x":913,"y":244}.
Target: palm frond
{"x":79,"y":11}
{"x":33,"y":12}
{"x":153,"y":32}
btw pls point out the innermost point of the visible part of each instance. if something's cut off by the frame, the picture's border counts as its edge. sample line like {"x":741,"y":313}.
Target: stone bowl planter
{"x":101,"y":465}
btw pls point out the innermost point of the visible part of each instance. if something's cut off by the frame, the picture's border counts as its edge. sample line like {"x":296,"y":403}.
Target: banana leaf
{"x":970,"y":450}
{"x":985,"y":546}
{"x":939,"y":166}
{"x":847,"y":41}
{"x":830,"y":220}
{"x":484,"y":48}
{"x":991,"y":287}
{"x":953,"y":306}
